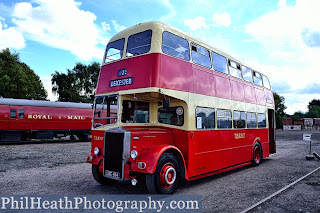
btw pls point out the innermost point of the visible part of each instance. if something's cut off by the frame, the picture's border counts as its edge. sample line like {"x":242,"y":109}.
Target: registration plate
{"x":112,"y":174}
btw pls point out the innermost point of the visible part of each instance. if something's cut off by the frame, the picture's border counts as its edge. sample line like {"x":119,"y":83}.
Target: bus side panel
{"x":175,"y":74}
{"x":219,"y":149}
{"x":261,"y":100}
{"x":237,"y":91}
{"x":249,"y":93}
{"x":140,"y":68}
{"x":264,"y":135}
{"x":269,"y":97}
{"x":213,"y":150}
{"x":203,"y":81}
{"x":242,"y":145}
{"x":222,"y":86}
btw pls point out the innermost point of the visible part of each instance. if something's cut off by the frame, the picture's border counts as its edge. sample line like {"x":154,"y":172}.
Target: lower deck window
{"x":135,"y":112}
{"x":239,"y":120}
{"x":251,"y":120}
{"x":205,"y":118}
{"x":172,"y":116}
{"x":262,"y":121}
{"x":224,"y":120}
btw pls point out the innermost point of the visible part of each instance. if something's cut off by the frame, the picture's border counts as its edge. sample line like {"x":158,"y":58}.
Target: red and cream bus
{"x":170,"y":107}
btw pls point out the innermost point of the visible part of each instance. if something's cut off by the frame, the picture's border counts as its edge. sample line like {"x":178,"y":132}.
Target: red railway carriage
{"x":182,"y":109}
{"x":32,"y":119}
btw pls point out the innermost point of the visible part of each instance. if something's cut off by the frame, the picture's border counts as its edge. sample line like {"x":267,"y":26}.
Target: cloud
{"x":116,"y":26}
{"x":196,"y":23}
{"x":46,"y":80}
{"x":222,"y":19}
{"x":105,"y":26}
{"x":282,"y":3}
{"x":291,"y":37}
{"x":10,"y":38}
{"x":60,"y":24}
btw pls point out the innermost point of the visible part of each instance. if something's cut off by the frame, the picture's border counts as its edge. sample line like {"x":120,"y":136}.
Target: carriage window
{"x":139,"y":43}
{"x":251,"y":120}
{"x":262,"y":121}
{"x":247,"y":74}
{"x":21,"y":113}
{"x":172,"y":116}
{"x":234,"y":69}
{"x":224,"y":120}
{"x":114,"y":50}
{"x":135,"y":112}
{"x":205,"y":118}
{"x":239,"y":120}
{"x":257,"y":78}
{"x":266,"y":82}
{"x":175,"y":46}
{"x":201,"y":56}
{"x":13,"y":113}
{"x":219,"y":63}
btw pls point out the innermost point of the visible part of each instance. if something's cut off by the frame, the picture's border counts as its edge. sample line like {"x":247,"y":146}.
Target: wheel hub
{"x":168,"y":175}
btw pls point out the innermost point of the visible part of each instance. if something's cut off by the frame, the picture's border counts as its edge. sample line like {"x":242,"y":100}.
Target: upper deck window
{"x":219,"y":63}
{"x":247,"y":74}
{"x":114,"y":50}
{"x":175,"y":46}
{"x":234,"y":69}
{"x":201,"y":56}
{"x":266,"y":82}
{"x":139,"y":43}
{"x":257,"y":79}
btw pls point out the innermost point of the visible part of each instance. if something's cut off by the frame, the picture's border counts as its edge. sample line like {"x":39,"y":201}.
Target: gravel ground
{"x":60,"y":169}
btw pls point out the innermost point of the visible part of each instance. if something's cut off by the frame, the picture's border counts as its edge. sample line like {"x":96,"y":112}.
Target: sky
{"x":280,"y":38}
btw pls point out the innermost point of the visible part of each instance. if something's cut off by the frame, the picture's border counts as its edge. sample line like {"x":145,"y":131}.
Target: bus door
{"x":272,"y":136}
{"x":16,"y":118}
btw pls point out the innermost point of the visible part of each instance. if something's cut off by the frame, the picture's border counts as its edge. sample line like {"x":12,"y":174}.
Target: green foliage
{"x":18,"y":80}
{"x":297,"y":116}
{"x":279,"y":109}
{"x":314,"y":112}
{"x":78,"y":85}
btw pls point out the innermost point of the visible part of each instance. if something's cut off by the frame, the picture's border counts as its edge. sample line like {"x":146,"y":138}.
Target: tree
{"x":18,"y":80}
{"x":78,"y":85}
{"x":279,"y":109}
{"x":297,"y":116}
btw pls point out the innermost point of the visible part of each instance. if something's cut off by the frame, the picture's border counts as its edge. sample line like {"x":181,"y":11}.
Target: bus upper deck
{"x":155,"y":55}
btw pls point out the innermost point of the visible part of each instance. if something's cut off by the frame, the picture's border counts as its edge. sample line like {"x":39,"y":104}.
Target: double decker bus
{"x":170,"y":108}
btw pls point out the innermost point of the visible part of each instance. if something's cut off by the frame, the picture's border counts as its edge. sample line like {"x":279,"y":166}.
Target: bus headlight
{"x":134,"y":154}
{"x":96,"y":151}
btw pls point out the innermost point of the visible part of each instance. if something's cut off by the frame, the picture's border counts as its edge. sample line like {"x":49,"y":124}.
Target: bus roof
{"x":160,"y":26}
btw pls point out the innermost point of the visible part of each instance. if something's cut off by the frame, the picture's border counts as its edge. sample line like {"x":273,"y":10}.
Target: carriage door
{"x":16,"y":118}
{"x":272,"y":136}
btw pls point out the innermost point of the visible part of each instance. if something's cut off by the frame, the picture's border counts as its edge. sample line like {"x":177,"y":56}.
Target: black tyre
{"x":166,"y":178}
{"x":98,"y":176}
{"x":257,"y":154}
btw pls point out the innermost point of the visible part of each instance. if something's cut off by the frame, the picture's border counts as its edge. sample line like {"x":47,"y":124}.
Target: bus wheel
{"x":98,"y":176}
{"x":165,"y":179}
{"x":257,"y":154}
